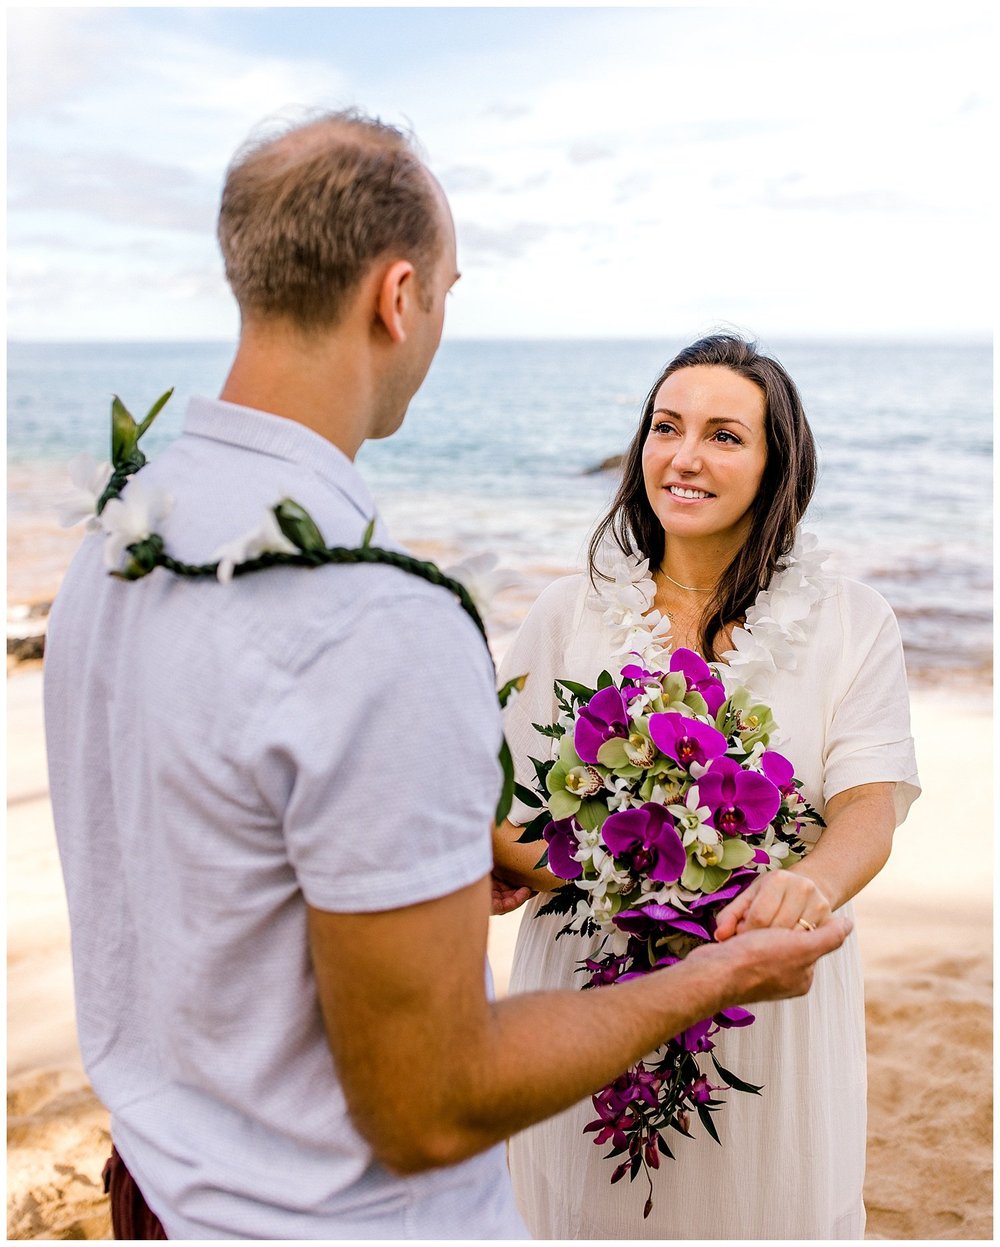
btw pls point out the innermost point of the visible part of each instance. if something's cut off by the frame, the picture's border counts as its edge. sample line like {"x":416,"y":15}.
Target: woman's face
{"x":705,"y":452}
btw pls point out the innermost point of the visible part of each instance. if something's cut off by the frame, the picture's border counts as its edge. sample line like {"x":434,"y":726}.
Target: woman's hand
{"x":780,"y":898}
{"x":505,"y":897}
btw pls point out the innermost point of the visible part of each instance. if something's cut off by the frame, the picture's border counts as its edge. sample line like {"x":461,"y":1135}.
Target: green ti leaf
{"x":512,"y":686}
{"x":298,"y":526}
{"x":366,"y":540}
{"x":124,"y":434}
{"x":153,"y":412}
{"x":507,"y":789}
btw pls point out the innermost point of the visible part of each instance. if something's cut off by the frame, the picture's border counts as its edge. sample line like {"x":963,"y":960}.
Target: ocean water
{"x":496,"y":450}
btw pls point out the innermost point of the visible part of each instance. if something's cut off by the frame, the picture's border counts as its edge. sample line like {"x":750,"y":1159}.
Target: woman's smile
{"x":705,"y":452}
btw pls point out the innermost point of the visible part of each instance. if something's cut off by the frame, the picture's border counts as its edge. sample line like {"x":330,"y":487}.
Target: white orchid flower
{"x":90,"y":479}
{"x":266,"y":538}
{"x":483,"y":579}
{"x":692,"y":820}
{"x":132,"y":518}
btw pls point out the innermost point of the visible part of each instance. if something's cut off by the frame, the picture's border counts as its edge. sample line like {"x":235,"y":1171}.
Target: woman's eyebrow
{"x":676,"y":415}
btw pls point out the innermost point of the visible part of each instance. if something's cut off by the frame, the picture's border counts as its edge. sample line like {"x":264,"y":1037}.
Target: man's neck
{"x":324,"y":386}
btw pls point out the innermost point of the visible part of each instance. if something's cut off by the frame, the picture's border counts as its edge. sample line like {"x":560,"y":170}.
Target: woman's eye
{"x":727,"y":438}
{"x":663,"y":426}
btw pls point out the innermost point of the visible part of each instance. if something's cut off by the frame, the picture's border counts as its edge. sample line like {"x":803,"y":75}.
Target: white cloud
{"x":671,"y":167}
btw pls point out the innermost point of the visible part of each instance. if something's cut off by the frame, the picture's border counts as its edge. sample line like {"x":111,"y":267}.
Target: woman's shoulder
{"x":560,"y":595}
{"x":854,"y":601}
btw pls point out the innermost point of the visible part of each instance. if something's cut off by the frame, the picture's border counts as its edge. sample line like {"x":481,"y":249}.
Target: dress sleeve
{"x":538,"y":650}
{"x":869,"y":739}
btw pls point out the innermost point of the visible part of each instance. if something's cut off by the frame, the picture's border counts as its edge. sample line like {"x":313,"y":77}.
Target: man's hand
{"x":771,"y":964}
{"x":777,"y":899}
{"x":506,"y":897}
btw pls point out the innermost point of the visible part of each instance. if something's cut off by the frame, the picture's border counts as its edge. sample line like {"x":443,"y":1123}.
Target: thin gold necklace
{"x":690,"y":588}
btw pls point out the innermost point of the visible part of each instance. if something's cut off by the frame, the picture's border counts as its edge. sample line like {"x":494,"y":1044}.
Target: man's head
{"x":337,"y":238}
{"x":304,"y":216}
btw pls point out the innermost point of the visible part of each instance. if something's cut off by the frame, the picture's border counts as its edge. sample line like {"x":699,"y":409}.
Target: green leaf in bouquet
{"x":541,"y":769}
{"x":579,"y":691}
{"x":563,"y":900}
{"x":555,"y":730}
{"x":706,"y":1120}
{"x":298,"y":526}
{"x":737,"y":1084}
{"x":543,"y":861}
{"x":507,"y":788}
{"x":153,"y":412}
{"x":527,"y":796}
{"x":533,"y":830}
{"x":591,"y":815}
{"x":512,"y":686}
{"x":604,"y":680}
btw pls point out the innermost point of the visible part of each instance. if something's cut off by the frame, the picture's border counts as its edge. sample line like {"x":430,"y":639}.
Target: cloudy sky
{"x":640,"y":172}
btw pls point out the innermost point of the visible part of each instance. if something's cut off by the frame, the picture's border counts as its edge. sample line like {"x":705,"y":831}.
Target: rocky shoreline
{"x":26,"y":626}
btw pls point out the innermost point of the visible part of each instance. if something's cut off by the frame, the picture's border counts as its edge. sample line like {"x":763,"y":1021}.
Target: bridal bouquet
{"x":663,"y":804}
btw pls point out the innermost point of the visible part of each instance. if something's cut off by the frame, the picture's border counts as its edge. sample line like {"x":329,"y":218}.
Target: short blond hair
{"x":305,"y":214}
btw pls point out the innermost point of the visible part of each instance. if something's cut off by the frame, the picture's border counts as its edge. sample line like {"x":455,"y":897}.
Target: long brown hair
{"x":785,"y":488}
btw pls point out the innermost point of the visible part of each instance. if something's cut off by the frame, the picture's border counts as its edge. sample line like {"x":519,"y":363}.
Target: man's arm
{"x":434,"y":1072}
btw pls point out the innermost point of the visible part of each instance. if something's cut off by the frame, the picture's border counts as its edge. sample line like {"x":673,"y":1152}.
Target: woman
{"x":714,"y":485}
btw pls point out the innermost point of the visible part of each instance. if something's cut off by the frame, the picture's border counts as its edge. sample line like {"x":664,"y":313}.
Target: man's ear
{"x":395,"y":293}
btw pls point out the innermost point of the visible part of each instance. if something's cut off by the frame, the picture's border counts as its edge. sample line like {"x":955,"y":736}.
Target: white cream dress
{"x":825,"y":653}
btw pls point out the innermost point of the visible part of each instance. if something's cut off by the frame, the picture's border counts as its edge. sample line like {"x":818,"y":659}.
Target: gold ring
{"x":805,"y":924}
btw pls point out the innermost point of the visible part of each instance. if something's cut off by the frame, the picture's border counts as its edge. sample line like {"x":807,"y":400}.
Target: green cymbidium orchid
{"x":710,"y":865}
{"x":753,"y":722}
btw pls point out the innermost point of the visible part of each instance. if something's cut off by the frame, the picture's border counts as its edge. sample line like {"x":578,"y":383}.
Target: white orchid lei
{"x":287,"y":536}
{"x":764,"y":644}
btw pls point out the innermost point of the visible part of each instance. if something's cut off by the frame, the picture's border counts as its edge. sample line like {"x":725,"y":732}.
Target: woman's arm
{"x":850,"y":853}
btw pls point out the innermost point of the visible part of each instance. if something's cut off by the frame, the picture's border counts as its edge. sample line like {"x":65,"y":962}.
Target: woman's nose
{"x":687,"y":457}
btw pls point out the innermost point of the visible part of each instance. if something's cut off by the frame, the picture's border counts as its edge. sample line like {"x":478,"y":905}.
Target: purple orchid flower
{"x":602,"y":973}
{"x":697,"y":1038}
{"x":740,"y":801}
{"x":560,"y":836}
{"x":613,"y":1104}
{"x":651,"y":919}
{"x":779,"y":771}
{"x":700,"y":678}
{"x":686,"y":740}
{"x":716,"y":898}
{"x":648,"y":839}
{"x":734,"y":1016}
{"x":603,"y":718}
{"x":700,"y":1091}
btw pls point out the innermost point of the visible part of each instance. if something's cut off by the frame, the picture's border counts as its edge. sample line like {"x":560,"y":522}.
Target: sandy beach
{"x":925,"y":928}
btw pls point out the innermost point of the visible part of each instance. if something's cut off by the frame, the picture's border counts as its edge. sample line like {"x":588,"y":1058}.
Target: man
{"x":273,"y":796}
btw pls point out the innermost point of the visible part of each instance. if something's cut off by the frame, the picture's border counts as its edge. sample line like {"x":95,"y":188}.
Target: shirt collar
{"x":267,"y":434}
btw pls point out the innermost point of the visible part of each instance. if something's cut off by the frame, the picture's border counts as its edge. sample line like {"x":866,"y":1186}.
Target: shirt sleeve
{"x":538,"y":651}
{"x":381,"y":761}
{"x":869,"y":739}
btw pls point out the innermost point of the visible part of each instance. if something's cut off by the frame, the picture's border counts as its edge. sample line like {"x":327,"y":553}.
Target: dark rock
{"x":25,"y":648}
{"x":609,"y":465}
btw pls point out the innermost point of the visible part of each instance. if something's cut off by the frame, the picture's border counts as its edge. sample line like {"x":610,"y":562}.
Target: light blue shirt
{"x":220,"y":756}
